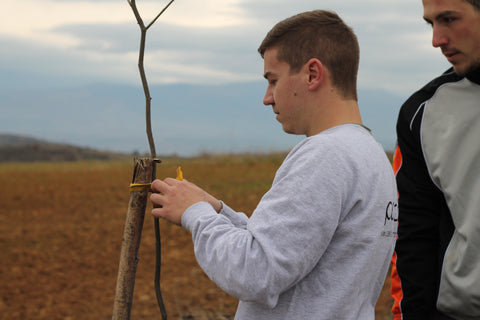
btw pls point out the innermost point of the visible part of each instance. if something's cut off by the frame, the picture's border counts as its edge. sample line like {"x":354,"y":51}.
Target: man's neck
{"x":335,"y":113}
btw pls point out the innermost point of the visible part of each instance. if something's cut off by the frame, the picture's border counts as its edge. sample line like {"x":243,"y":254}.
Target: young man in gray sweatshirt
{"x":319,"y":243}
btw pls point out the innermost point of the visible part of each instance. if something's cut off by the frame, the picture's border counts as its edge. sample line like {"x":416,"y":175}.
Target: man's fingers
{"x":171,"y":181}
{"x":160,"y":186}
{"x":157,"y":185}
{"x":157,"y":200}
{"x":168,"y":215}
{"x":157,"y":212}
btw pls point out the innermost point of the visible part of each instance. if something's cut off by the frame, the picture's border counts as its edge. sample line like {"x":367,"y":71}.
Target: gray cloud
{"x":113,"y":38}
{"x":121,"y":38}
{"x":389,"y":33}
{"x":95,"y":1}
{"x":396,"y":58}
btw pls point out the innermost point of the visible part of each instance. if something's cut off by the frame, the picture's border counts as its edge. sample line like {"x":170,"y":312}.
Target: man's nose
{"x":268,"y":98}
{"x":438,"y":37}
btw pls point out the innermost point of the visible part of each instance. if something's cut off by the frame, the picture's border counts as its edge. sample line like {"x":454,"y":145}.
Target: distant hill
{"x":187,"y":120}
{"x":15,"y":140}
{"x":15,"y":148}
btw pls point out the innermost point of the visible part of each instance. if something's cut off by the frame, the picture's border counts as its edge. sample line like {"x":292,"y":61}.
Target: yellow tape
{"x":148,"y":186}
{"x":140,"y":186}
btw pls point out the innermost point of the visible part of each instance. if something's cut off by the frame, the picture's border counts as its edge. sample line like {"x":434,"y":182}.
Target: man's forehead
{"x":272,"y":65}
{"x":435,"y":9}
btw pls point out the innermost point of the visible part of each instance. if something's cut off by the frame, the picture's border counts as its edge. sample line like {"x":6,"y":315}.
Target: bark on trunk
{"x":144,"y":173}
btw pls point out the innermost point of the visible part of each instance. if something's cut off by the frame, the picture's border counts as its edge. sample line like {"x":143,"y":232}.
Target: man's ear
{"x":315,"y":72}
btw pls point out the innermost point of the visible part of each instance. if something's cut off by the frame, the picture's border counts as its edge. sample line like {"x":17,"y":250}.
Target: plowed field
{"x":61,"y":227}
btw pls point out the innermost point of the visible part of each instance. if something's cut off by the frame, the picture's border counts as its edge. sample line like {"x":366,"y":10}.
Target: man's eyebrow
{"x":427,"y":20}
{"x":440,"y":16}
{"x":267,"y":74}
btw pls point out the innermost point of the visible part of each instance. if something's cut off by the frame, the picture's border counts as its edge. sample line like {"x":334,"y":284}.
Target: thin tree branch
{"x":151,"y":142}
{"x":141,"y":68}
{"x":133,"y":5}
{"x":148,"y":98}
{"x":153,"y":21}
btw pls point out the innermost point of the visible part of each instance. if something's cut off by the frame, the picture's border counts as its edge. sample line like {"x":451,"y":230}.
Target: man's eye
{"x":448,"y":19}
{"x":442,"y":21}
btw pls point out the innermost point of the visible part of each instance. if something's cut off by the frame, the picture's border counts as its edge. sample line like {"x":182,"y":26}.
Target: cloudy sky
{"x":62,"y":46}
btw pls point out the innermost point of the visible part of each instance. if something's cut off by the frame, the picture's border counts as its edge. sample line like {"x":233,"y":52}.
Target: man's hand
{"x":172,"y":197}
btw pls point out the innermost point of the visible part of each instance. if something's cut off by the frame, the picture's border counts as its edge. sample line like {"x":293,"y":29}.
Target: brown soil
{"x":61,"y":228}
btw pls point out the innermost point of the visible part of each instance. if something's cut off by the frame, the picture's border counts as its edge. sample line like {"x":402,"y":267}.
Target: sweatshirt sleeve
{"x":284,"y":238}
{"x":239,"y":219}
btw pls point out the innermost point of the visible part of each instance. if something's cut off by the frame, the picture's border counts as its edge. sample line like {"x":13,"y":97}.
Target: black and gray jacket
{"x":436,"y":265}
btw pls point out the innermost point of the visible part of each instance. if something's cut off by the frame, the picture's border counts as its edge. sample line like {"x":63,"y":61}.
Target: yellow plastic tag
{"x":147,"y":186}
{"x":140,"y":187}
{"x":179,"y":173}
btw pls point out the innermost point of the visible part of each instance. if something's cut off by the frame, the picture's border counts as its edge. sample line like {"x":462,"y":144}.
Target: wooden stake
{"x":144,"y":173}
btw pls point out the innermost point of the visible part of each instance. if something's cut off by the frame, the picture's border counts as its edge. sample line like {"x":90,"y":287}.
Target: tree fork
{"x":143,"y":174}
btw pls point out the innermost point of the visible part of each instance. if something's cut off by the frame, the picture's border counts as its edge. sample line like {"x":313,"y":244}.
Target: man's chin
{"x":463,"y":70}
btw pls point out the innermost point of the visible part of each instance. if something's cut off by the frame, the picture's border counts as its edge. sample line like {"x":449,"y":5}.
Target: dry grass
{"x":61,"y":227}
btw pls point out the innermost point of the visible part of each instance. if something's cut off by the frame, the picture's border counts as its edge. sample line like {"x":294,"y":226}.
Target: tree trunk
{"x":144,"y":173}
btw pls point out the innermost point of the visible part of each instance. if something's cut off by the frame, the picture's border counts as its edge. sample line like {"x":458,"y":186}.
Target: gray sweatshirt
{"x":319,"y":243}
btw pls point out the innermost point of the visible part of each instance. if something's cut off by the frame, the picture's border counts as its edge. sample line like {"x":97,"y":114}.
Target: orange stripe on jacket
{"x":396,"y":286}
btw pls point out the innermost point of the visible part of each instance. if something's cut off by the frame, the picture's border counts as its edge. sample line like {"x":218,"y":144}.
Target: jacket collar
{"x":474,"y":76}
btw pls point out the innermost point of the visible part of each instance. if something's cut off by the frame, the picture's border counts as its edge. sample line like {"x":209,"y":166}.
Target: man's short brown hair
{"x":474,"y":3}
{"x":318,"y":34}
